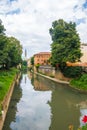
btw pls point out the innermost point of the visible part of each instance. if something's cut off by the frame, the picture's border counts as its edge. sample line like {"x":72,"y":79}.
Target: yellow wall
{"x":84,"y":51}
{"x":42,"y":58}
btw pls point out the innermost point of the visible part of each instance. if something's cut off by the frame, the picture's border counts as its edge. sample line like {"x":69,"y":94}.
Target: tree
{"x":10,"y":50}
{"x":14,"y":50}
{"x":37,"y":66}
{"x":3,"y":41}
{"x":32,"y":60}
{"x":3,"y":52}
{"x":66,"y":42}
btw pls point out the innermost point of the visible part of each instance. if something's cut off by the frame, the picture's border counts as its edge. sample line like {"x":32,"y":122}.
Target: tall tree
{"x":14,"y":50}
{"x":66,"y":42}
{"x":3,"y":40}
{"x":10,"y":49}
{"x":3,"y":51}
{"x":32,"y":60}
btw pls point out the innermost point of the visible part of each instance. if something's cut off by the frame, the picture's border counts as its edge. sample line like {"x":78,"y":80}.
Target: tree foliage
{"x":3,"y":52}
{"x":71,"y":71}
{"x":32,"y":60}
{"x":10,"y":50}
{"x":14,"y":50}
{"x":66,"y":42}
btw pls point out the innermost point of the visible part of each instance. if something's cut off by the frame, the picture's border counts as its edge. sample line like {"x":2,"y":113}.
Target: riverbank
{"x":53,"y":79}
{"x":80,"y":83}
{"x":74,"y":83}
{"x":7,"y":80}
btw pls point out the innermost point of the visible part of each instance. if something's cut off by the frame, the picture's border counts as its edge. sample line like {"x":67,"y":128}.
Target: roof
{"x":77,"y":64}
{"x":44,"y":53}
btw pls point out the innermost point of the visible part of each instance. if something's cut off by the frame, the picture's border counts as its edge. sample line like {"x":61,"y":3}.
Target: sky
{"x":30,"y":20}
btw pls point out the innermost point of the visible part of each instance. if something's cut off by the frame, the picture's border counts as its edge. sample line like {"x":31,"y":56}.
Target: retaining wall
{"x":6,"y":101}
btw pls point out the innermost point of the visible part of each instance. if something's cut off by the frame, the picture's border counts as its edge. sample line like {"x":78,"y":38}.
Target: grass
{"x":80,"y":83}
{"x":6,"y":79}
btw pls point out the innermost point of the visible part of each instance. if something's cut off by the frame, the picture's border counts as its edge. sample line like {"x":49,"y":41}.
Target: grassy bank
{"x":6,"y":79}
{"x":80,"y":83}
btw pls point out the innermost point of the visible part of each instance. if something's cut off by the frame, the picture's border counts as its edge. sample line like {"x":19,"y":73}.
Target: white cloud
{"x":34,"y":18}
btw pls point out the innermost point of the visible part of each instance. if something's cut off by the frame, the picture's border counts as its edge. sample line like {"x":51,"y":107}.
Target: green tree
{"x":24,"y":65}
{"x":32,"y":60}
{"x":3,"y":51}
{"x":14,"y":50}
{"x":37,"y":66}
{"x":66,"y":42}
{"x":10,"y":50}
{"x":3,"y":41}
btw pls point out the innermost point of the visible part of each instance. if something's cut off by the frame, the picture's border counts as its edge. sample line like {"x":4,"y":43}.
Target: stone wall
{"x":50,"y":71}
{"x":47,"y":70}
{"x":60,"y":76}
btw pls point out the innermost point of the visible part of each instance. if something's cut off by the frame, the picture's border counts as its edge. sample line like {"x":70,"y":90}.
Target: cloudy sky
{"x":29,"y":20}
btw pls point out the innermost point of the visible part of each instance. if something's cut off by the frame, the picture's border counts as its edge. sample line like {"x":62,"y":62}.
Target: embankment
{"x":6,"y":101}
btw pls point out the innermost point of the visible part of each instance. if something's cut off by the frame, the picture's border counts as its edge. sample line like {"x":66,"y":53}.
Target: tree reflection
{"x":64,"y":110}
{"x":63,"y":103}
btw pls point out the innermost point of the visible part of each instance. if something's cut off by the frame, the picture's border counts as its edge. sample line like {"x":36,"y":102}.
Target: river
{"x":38,"y":103}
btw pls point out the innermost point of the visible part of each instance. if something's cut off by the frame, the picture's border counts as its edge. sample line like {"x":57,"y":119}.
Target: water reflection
{"x":39,"y":83}
{"x":63,"y":103}
{"x":83,"y":111}
{"x":44,"y":105}
{"x":64,"y":108}
{"x":32,"y":111}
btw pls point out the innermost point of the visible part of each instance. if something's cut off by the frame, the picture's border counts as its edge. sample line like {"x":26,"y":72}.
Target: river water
{"x":40,"y":104}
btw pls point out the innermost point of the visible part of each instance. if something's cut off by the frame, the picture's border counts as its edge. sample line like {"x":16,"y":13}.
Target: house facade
{"x":42,"y":58}
{"x":83,"y":59}
{"x":84,"y":51}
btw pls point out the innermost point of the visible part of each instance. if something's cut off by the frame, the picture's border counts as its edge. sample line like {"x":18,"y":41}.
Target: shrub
{"x":80,"y":83}
{"x":71,"y":71}
{"x":37,"y":66}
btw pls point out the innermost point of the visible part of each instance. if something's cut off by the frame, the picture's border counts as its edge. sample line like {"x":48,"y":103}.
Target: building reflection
{"x":39,"y":83}
{"x":11,"y":114}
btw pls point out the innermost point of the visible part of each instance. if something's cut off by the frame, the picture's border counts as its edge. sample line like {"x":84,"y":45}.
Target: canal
{"x":40,"y":104}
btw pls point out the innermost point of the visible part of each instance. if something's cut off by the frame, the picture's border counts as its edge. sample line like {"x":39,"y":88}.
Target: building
{"x":42,"y":58}
{"x":84,"y":51}
{"x":83,"y":59}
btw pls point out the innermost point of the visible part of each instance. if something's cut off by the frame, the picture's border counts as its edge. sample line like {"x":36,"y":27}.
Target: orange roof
{"x":43,"y":53}
{"x":77,"y":64}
